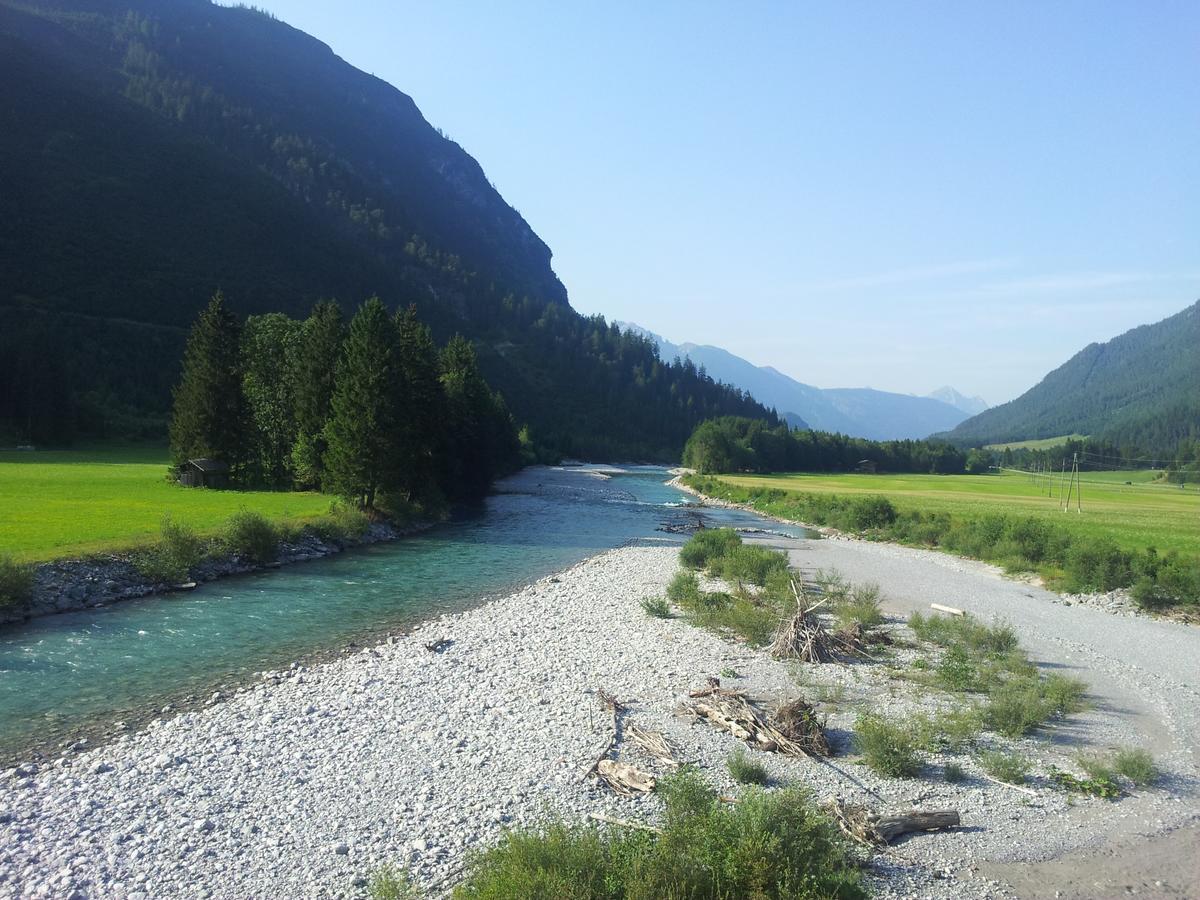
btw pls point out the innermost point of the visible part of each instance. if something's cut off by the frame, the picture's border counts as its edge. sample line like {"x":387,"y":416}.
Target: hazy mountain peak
{"x":972,"y":406}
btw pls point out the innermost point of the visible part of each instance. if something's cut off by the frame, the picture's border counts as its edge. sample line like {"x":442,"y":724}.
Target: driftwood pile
{"x":798,"y":722}
{"x":622,"y":778}
{"x":732,"y":711}
{"x":875,"y":830}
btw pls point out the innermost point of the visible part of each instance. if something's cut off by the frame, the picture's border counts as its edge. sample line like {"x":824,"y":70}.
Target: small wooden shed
{"x":866,"y":466}
{"x":204,"y":472}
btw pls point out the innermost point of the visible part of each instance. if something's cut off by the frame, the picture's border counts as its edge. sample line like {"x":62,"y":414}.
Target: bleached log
{"x":950,"y":610}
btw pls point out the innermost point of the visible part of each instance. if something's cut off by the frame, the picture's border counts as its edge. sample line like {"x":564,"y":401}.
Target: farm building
{"x":866,"y":466}
{"x":204,"y":472}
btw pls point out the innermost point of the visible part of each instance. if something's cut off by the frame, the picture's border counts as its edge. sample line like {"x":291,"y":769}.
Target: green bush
{"x":684,"y":590}
{"x":861,"y":607}
{"x":706,"y":545}
{"x":956,"y":671}
{"x":1021,"y":704}
{"x":16,"y":581}
{"x":744,"y":563}
{"x":959,"y":728}
{"x":954,"y":773}
{"x":388,"y":883}
{"x":744,"y":769}
{"x":774,"y":844}
{"x":172,"y":559}
{"x":251,"y":535}
{"x":888,"y":748}
{"x":872,"y":512}
{"x":656,"y":607}
{"x":343,"y":522}
{"x":1136,"y":765}
{"x":1011,"y":768}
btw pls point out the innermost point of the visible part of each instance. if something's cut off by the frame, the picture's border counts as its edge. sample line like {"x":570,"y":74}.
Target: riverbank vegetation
{"x":1146,"y":540}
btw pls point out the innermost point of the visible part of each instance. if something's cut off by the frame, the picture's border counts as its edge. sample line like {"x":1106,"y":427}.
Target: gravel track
{"x":303,"y":783}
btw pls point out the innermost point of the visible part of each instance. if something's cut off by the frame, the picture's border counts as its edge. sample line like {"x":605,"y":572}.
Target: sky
{"x":893,"y":195}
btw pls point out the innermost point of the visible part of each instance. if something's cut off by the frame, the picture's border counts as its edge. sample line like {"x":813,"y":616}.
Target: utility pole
{"x":1062,"y":479}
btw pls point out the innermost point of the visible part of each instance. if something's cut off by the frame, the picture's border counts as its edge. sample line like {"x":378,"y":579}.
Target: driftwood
{"x":623,"y":778}
{"x":797,"y":721}
{"x":439,"y":645}
{"x":803,"y":637}
{"x":624,"y":823}
{"x":613,"y":706}
{"x":874,"y":829}
{"x":947,"y":609}
{"x":731,"y":711}
{"x":654,"y":743}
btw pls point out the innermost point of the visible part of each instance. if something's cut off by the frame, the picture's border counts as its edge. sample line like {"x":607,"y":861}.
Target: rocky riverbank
{"x":72,"y":584}
{"x":303,"y":783}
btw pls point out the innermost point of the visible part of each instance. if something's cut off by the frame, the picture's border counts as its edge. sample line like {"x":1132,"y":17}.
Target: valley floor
{"x":304,"y":783}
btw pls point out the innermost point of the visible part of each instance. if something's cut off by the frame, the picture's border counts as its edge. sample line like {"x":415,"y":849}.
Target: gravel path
{"x":302,"y":784}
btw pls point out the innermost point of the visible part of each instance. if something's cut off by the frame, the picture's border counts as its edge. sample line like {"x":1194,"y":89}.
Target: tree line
{"x":372,"y":411}
{"x":736,"y":444}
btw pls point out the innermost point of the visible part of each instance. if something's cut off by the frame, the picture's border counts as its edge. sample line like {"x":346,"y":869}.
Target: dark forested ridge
{"x":154,"y":151}
{"x":1140,"y":389}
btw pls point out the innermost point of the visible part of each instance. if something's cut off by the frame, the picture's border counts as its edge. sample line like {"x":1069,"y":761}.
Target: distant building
{"x":866,"y":466}
{"x":204,"y":472}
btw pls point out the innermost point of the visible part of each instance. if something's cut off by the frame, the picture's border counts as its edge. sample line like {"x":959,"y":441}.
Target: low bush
{"x":684,"y":590}
{"x":954,"y":773}
{"x":172,"y":559}
{"x":1011,"y":768}
{"x":959,"y":728}
{"x":16,"y":581}
{"x":251,"y":535}
{"x":1019,"y":705}
{"x":388,"y":883}
{"x":743,"y":563}
{"x":860,"y":606}
{"x":708,"y":544}
{"x":744,"y":769}
{"x":343,"y":522}
{"x":774,"y":844}
{"x":1136,"y":765}
{"x":656,"y":607}
{"x":888,"y":748}
{"x":872,"y":512}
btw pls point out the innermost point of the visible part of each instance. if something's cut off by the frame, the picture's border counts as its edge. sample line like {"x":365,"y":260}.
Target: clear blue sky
{"x":896,"y":195}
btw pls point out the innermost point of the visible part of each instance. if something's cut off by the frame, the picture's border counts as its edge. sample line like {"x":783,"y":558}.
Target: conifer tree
{"x":422,"y":407}
{"x":481,"y":435}
{"x":267,"y":345}
{"x":362,"y":456}
{"x":311,"y":370}
{"x":209,"y":418}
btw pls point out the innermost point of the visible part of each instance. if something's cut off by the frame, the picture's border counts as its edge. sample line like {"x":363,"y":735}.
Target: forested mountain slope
{"x":1139,"y":389}
{"x":153,"y":151}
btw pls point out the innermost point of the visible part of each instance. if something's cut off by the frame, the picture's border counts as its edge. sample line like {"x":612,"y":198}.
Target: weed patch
{"x":888,"y":747}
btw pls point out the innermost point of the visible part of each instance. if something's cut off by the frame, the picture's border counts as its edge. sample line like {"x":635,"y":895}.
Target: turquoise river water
{"x":80,"y":672}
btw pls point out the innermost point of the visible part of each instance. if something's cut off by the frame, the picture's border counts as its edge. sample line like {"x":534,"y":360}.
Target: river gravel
{"x":305,"y":782}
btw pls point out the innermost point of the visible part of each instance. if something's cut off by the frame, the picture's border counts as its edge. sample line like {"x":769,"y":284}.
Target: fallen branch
{"x":611,"y":703}
{"x":947,"y":609}
{"x":624,"y":823}
{"x":1016,"y":787}
{"x":439,"y":645}
{"x":733,"y":712}
{"x":623,"y":778}
{"x":654,"y":743}
{"x":875,"y":830}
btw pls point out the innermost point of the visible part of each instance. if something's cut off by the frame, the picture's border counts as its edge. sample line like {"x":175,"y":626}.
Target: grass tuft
{"x":888,"y":747}
{"x":1011,"y":768}
{"x":1136,"y":764}
{"x":388,"y":883}
{"x":16,"y":581}
{"x":744,"y":769}
{"x":656,"y":607}
{"x":172,"y":559}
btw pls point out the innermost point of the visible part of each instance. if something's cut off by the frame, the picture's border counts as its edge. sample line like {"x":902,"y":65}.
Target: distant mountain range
{"x":1141,"y":389}
{"x":861,"y":412}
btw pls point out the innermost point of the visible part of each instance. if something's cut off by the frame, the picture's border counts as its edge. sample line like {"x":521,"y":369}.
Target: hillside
{"x":155,"y":151}
{"x":859,"y":412}
{"x":1141,"y":388}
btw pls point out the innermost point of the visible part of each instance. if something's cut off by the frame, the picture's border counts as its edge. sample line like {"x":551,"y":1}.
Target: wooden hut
{"x":204,"y":472}
{"x":866,"y":467}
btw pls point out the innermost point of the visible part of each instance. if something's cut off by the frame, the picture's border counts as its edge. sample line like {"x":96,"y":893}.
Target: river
{"x":80,"y":673}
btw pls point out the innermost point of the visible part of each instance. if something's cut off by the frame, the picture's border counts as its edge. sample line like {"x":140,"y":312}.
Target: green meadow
{"x":1135,"y":516}
{"x":67,"y":503}
{"x":1039,"y":444}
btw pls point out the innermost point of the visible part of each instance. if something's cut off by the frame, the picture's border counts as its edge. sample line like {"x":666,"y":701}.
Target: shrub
{"x":656,"y":607}
{"x":954,"y":773}
{"x":249,"y":534}
{"x":388,"y":883}
{"x":343,"y":522}
{"x":861,"y":607}
{"x":750,"y":564}
{"x":16,"y":581}
{"x":1135,"y":764}
{"x":1011,"y":768}
{"x":767,"y":845}
{"x":744,"y":769}
{"x":888,"y":748}
{"x":684,"y":590}
{"x":708,"y":544}
{"x":172,"y":559}
{"x":872,"y":512}
{"x":959,"y":727}
{"x":955,"y":671}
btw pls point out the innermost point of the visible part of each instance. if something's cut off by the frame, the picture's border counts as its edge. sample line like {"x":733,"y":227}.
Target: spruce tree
{"x":481,"y":435}
{"x":361,"y":459}
{"x":209,"y":417}
{"x":311,"y":371}
{"x":267,"y":346}
{"x":421,"y":407}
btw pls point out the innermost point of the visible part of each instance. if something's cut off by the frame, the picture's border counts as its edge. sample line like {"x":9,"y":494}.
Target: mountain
{"x":153,"y":151}
{"x":972,"y":406}
{"x":860,"y":412}
{"x":1139,"y":389}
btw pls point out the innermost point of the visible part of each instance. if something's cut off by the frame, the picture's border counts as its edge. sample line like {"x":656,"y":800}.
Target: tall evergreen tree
{"x":311,"y":370}
{"x":209,"y":417}
{"x":481,"y":435}
{"x":361,"y":461}
{"x":422,"y":407}
{"x":267,"y":346}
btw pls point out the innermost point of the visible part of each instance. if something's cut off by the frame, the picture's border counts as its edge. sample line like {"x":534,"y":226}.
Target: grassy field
{"x":74,"y":503}
{"x":1134,"y":516}
{"x":1040,"y":444}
